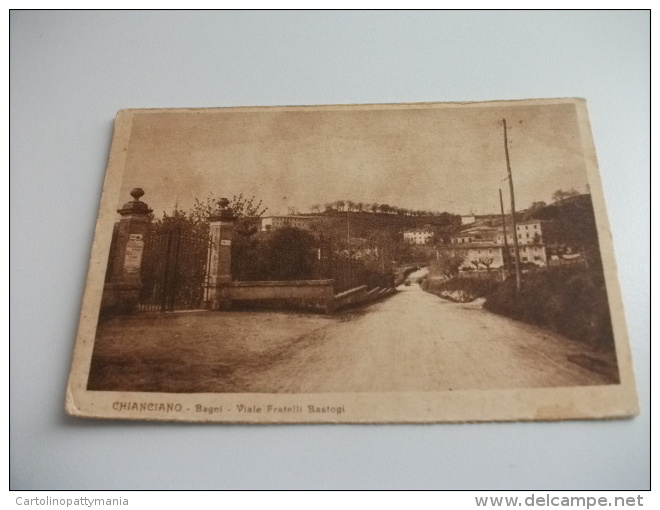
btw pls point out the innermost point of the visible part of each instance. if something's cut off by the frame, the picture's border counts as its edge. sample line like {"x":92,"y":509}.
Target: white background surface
{"x":71,"y":72}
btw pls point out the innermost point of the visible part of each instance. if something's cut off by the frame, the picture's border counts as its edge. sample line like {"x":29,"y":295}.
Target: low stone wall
{"x":350,"y":297}
{"x":301,"y":294}
{"x":361,"y":295}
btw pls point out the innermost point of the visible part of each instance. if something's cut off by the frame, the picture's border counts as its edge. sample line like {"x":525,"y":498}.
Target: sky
{"x":430,"y":157}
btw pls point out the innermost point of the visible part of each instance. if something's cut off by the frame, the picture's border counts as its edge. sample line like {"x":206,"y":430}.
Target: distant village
{"x":481,"y":242}
{"x":487,"y":242}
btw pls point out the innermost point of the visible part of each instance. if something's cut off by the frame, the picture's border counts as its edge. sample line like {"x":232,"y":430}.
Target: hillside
{"x":379,"y":225}
{"x":575,"y":224}
{"x":573,"y":220}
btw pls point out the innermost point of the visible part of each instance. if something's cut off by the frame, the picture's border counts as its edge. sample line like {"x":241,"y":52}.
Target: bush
{"x":292,"y":254}
{"x":460,"y":290}
{"x":287,"y":253}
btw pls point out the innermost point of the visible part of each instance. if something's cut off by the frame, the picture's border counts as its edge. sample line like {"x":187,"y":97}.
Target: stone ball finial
{"x":137,"y":193}
{"x":223,"y":203}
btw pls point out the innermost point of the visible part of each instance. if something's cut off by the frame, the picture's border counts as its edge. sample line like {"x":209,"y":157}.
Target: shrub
{"x":292,"y":255}
{"x":460,"y":290}
{"x":569,"y":300}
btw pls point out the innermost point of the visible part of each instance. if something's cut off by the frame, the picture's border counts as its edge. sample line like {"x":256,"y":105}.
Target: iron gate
{"x":174,"y":269}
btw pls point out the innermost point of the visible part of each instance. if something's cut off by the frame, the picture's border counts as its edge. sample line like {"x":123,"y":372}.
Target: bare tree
{"x":486,"y":262}
{"x":449,"y":262}
{"x":537,"y":205}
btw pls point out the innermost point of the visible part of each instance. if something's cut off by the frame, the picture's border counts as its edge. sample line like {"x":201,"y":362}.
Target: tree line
{"x":365,"y":207}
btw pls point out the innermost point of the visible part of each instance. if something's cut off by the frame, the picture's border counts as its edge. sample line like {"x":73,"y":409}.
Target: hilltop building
{"x":274,"y":222}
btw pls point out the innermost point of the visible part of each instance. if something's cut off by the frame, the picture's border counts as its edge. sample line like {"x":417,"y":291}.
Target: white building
{"x":484,"y":247}
{"x":534,"y":232}
{"x":479,"y":234}
{"x":484,"y":256}
{"x":469,"y":219}
{"x":275,"y":222}
{"x":420,"y":236}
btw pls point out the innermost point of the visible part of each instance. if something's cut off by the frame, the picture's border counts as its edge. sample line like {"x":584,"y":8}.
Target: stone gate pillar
{"x":218,"y":286}
{"x":122,"y":288}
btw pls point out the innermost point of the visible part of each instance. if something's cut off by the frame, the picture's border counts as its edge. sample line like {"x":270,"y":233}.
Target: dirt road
{"x":412,"y":340}
{"x":415,"y":341}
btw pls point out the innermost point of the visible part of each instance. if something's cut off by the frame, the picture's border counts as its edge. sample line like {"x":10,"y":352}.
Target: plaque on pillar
{"x":408,"y":263}
{"x":134,"y":249}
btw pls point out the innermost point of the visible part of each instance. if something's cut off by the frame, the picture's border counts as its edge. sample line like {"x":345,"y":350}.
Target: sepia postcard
{"x":400,"y":263}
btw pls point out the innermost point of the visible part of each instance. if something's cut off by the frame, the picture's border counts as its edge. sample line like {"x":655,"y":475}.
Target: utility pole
{"x":505,"y":257}
{"x":516,"y":250}
{"x":348,"y":238}
{"x":348,"y":231}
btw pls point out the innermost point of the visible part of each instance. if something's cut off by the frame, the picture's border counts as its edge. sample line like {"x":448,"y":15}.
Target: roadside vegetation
{"x":460,"y":290}
{"x":568,"y":299}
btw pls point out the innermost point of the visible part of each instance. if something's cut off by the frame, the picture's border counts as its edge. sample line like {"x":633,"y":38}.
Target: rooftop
{"x":292,"y":216}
